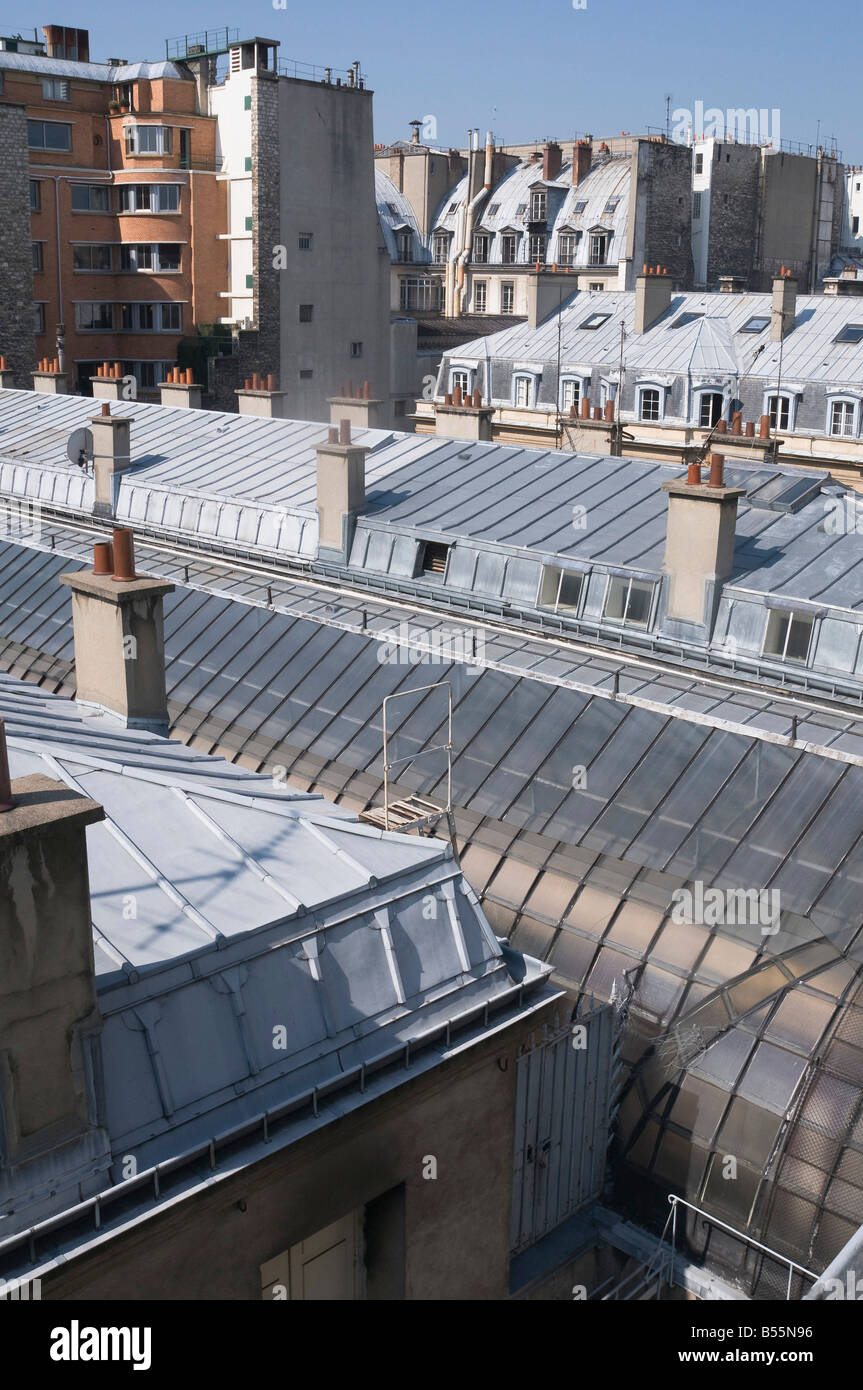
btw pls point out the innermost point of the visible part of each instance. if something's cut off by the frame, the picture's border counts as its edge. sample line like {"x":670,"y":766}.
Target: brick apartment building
{"x":159,"y":194}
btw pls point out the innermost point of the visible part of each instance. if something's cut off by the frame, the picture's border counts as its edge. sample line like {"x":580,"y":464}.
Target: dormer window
{"x":560,"y":589}
{"x":599,"y":244}
{"x":780,"y":411}
{"x":842,"y":417}
{"x":788,"y":636}
{"x":570,"y":393}
{"x":480,"y":247}
{"x":508,"y":247}
{"x":709,"y":409}
{"x":440,"y":248}
{"x":524,"y":390}
{"x":405,"y":245}
{"x":536,"y":247}
{"x":628,"y":601}
{"x":538,"y":206}
{"x":433,"y":558}
{"x":567,"y":247}
{"x":580,"y":206}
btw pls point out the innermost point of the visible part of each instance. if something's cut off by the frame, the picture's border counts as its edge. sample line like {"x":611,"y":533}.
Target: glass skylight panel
{"x":756,"y":324}
{"x":595,"y":320}
{"x":851,"y":333}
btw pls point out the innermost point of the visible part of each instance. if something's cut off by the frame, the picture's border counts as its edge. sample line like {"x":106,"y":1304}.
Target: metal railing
{"x":196,"y":45}
{"x":738,"y":1235}
{"x":309,"y":72}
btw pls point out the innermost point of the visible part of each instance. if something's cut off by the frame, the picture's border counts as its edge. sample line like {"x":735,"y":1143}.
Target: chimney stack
{"x":582,"y":155}
{"x":181,"y":390}
{"x":365,"y":411}
{"x":48,"y":1002}
{"x":111,"y":456}
{"x":552,"y":160}
{"x":258,"y":396}
{"x":341,"y":493}
{"x":119,"y":636}
{"x":699,"y":542}
{"x":48,"y":378}
{"x":783,"y":309}
{"x":652,"y":297}
{"x":108,"y":384}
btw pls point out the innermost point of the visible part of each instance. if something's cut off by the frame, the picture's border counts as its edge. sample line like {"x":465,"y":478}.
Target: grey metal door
{"x":563,"y":1093}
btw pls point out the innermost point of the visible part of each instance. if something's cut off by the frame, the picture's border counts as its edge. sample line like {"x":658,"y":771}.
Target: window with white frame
{"x":788,"y":636}
{"x":843,"y":418}
{"x":596,"y":285}
{"x":440,"y":248}
{"x":459,"y":380}
{"x":150,"y":256}
{"x":480,"y":247}
{"x":508,"y":247}
{"x":628,"y":601}
{"x":149,"y":139}
{"x":599,"y":243}
{"x":90,"y":197}
{"x":405,"y":246}
{"x":54,"y":89}
{"x":149,"y":197}
{"x":649,"y":403}
{"x":566,"y":244}
{"x":709,"y":409}
{"x":420,"y":292}
{"x":779,"y":410}
{"x":536,"y":247}
{"x":480,"y":296}
{"x":560,"y":589}
{"x":570,"y":392}
{"x":538,"y":206}
{"x":523,"y":390}
{"x":507,"y":297}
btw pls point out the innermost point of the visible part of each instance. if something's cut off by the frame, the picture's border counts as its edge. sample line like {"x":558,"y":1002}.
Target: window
{"x":94,"y":318}
{"x":434,"y":557}
{"x":699,"y":163}
{"x":451,"y":209}
{"x":788,"y":636}
{"x":850,"y":333}
{"x":420,"y":293}
{"x":779,"y":410}
{"x":35,"y":195}
{"x":91,"y":258}
{"x":579,"y":207}
{"x":560,"y":589}
{"x":756,"y":324}
{"x":306,"y":312}
{"x":538,"y":205}
{"x":536,"y":247}
{"x":507,"y":297}
{"x":356,"y":349}
{"x":150,"y":256}
{"x":596,"y":285}
{"x":39,"y":318}
{"x":855,"y":225}
{"x":480,"y":247}
{"x":709,"y":409}
{"x":595,"y":320}
{"x":36,"y":250}
{"x":405,"y":246}
{"x":459,"y":380}
{"x":306,"y":374}
{"x":570,"y":393}
{"x":440,"y":249}
{"x":648,"y":403}
{"x":684,"y":320}
{"x":53,"y":89}
{"x":566,"y":244}
{"x":480,"y":296}
{"x":149,"y":197}
{"x":304,"y":241}
{"x":49,"y":135}
{"x":90,"y":197}
{"x":610,"y":206}
{"x":148,"y":317}
{"x":508,"y":247}
{"x":628,"y":601}
{"x":842,"y":417}
{"x":149,"y":139}
{"x":524,"y":390}
{"x":696,"y":206}
{"x":495,"y":207}
{"x":598,"y":247}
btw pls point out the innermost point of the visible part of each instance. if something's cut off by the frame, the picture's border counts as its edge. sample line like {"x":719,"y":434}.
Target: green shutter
{"x":247,"y":103}
{"x":250,"y":282}
{"x":248,"y":162}
{"x":248,"y":224}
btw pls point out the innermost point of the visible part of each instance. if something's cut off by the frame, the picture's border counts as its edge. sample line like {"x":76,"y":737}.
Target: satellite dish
{"x":79,"y":449}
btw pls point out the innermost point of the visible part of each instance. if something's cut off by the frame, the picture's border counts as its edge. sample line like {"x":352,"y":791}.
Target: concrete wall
{"x":456,"y":1227}
{"x":660,"y":211}
{"x":17,"y":336}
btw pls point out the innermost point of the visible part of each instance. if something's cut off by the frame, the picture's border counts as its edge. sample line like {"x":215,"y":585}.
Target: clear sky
{"x":538,"y":69}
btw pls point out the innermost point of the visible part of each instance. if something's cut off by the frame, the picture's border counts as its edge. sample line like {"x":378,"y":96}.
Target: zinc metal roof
{"x":809,"y":352}
{"x":90,"y":72}
{"x":388,"y":198}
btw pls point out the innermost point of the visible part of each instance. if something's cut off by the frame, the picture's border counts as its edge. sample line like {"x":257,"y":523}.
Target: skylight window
{"x":451,"y":209}
{"x":684,"y":319}
{"x":595,"y":320}
{"x":611,"y":205}
{"x":495,"y":207}
{"x":579,"y":207}
{"x":756,"y":324}
{"x":851,"y":333}
{"x":522,"y":208}
{"x":392,"y":209}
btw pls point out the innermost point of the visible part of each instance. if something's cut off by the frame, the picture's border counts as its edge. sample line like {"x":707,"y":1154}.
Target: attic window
{"x":611,"y":205}
{"x":451,"y":209}
{"x":579,"y":207}
{"x":391,"y":208}
{"x":522,"y":208}
{"x":595,"y":321}
{"x":628,"y":601}
{"x":434,"y":557}
{"x":685,"y":319}
{"x":495,"y":207}
{"x":851,"y":333}
{"x":756,"y":324}
{"x":788,"y":636}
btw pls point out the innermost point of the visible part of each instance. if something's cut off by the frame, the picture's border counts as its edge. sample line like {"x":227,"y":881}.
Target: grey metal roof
{"x":217,"y":894}
{"x":809,"y":352}
{"x":394,"y":211}
{"x":90,"y":72}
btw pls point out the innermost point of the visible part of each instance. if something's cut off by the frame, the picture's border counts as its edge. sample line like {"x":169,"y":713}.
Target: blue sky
{"x":542,"y":68}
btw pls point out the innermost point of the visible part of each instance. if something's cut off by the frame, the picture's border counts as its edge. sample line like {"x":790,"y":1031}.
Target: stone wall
{"x":17,"y":336}
{"x":260,"y":347}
